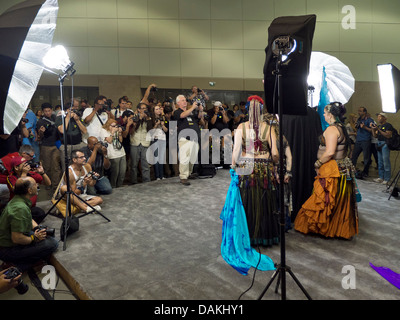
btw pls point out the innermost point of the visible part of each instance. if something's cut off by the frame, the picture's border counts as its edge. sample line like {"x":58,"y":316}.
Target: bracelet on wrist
{"x":318,"y":164}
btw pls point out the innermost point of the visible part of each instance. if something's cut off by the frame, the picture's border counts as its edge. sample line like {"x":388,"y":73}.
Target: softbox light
{"x":294,"y":68}
{"x":389,"y":84}
{"x":26,"y":34}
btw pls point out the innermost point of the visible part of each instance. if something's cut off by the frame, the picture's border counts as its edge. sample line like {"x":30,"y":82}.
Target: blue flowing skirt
{"x":235,"y":246}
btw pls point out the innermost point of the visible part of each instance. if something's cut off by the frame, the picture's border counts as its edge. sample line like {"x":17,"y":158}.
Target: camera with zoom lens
{"x":33,"y":165}
{"x":153,"y":89}
{"x":77,"y":112}
{"x":49,"y":231}
{"x":12,"y":273}
{"x":24,"y":120}
{"x":103,"y":144}
{"x":92,"y":175}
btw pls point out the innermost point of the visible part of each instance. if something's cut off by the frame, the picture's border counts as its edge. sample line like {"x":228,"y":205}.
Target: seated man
{"x":96,"y":156}
{"x":22,"y":168}
{"x":21,"y":243}
{"x":80,"y":179}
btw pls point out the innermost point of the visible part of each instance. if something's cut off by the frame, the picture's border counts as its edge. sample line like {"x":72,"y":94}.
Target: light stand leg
{"x":394,"y":183}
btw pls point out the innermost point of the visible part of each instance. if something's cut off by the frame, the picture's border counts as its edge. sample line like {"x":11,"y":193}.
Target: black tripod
{"x":394,"y":184}
{"x":68,"y":214}
{"x":282,"y":268}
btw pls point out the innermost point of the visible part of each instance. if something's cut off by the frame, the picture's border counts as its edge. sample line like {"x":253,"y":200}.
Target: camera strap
{"x":99,"y":119}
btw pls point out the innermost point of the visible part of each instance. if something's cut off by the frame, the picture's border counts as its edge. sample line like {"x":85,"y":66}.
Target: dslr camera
{"x":77,"y":112}
{"x":12,"y":273}
{"x":153,"y":89}
{"x":92,"y":175}
{"x":49,"y":231}
{"x":33,"y":165}
{"x":103,"y":143}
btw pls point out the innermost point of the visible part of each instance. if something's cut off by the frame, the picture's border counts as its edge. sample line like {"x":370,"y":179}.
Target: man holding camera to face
{"x":96,"y":117}
{"x":96,"y":155}
{"x":188,"y":118}
{"x":22,"y":241}
{"x":21,"y":168}
{"x":142,"y":122}
{"x":48,"y":135}
{"x":75,"y":130}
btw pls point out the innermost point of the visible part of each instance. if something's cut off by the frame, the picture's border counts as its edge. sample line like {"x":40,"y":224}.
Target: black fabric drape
{"x":302,"y":133}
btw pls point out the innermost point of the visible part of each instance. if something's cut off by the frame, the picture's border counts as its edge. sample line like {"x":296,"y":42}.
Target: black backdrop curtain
{"x":302,"y":133}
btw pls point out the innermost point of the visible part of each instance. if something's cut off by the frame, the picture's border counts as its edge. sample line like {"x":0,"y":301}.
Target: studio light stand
{"x":283,"y":47}
{"x":69,"y":71}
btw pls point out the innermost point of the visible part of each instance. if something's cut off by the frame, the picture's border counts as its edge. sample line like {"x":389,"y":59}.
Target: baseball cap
{"x":382,"y":114}
{"x":16,"y":161}
{"x":217,"y":104}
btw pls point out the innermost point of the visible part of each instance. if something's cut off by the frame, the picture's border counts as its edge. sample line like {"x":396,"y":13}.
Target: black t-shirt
{"x":189,"y":122}
{"x":74,"y":134}
{"x":50,"y":136}
{"x":384,"y":127}
{"x":219,"y":122}
{"x":98,"y":165}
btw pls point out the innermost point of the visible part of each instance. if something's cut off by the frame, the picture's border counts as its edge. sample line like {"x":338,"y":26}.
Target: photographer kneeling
{"x":22,"y":242}
{"x":23,"y":168}
{"x":96,"y":154}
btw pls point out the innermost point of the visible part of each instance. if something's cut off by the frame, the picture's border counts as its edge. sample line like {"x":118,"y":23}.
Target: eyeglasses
{"x":31,"y":155}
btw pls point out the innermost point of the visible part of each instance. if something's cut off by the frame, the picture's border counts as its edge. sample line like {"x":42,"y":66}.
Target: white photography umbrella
{"x":340,"y":81}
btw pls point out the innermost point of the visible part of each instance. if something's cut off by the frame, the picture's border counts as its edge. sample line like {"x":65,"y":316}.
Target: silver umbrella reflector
{"x":26,"y":32}
{"x":340,"y":81}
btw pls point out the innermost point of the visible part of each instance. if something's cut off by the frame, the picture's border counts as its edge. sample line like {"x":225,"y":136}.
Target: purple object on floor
{"x":389,"y":275}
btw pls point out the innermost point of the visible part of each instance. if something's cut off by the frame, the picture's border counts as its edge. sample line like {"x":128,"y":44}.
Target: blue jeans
{"x":158,"y":158}
{"x":102,"y":186}
{"x":384,"y":167}
{"x":365,"y":148}
{"x":138,"y":153}
{"x":25,"y":256}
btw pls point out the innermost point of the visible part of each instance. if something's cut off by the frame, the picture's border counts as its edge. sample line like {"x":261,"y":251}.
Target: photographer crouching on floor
{"x":96,"y":156}
{"x":23,"y":242}
{"x":80,"y":177}
{"x":23,"y":168}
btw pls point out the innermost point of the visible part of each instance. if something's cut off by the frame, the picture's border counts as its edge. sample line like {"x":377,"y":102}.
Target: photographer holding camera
{"x":48,"y":135}
{"x":218,"y":118}
{"x":75,"y":131}
{"x":81,"y":177}
{"x":97,"y":157}
{"x":142,"y":122}
{"x":158,"y":138}
{"x":198,"y":94}
{"x":363,"y":141}
{"x":112,"y":135}
{"x":96,"y":117}
{"x":22,"y":241}
{"x":24,"y":168}
{"x":188,"y":118}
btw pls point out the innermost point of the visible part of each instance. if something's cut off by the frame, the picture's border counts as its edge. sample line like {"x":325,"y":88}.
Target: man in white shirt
{"x":96,"y":117}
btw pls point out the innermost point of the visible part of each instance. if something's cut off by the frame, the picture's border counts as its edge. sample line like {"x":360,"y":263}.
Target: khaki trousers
{"x":187,"y":155}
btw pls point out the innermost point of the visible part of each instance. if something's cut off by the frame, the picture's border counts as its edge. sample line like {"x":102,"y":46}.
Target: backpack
{"x":393,"y":143}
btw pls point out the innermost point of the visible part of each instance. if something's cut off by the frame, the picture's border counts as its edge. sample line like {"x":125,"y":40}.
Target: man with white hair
{"x":188,"y":120}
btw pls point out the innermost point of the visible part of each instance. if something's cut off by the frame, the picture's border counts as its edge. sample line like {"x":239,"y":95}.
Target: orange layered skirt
{"x":331,"y":210}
